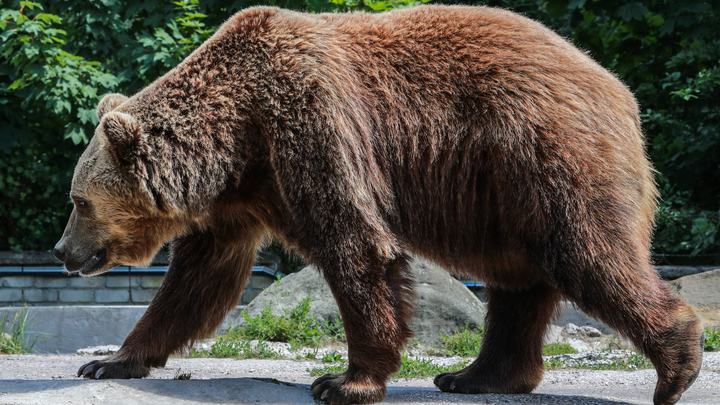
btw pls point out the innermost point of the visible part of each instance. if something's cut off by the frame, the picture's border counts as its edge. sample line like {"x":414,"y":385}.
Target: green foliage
{"x":238,"y":349}
{"x":557,"y":348}
{"x":712,"y":340}
{"x":33,"y":193}
{"x":14,"y":338}
{"x":465,"y":343}
{"x":294,"y":327}
{"x":58,"y":58}
{"x":421,"y":367}
{"x":332,"y":369}
{"x":683,"y":229}
{"x":668,"y":52}
{"x":47,"y":76}
{"x":331,"y":357}
{"x":166,"y":46}
{"x":365,"y":5}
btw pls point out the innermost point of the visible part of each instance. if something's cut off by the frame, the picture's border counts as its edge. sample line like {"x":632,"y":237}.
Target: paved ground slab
{"x":33,"y":380}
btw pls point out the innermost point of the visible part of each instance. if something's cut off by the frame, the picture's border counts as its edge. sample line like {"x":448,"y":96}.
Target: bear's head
{"x":116,"y":220}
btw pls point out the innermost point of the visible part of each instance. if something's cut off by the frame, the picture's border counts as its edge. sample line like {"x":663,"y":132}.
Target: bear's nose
{"x":59,"y":254}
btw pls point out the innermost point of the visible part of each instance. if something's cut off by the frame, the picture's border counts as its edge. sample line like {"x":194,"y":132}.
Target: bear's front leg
{"x":206,"y":276}
{"x":375,"y":302}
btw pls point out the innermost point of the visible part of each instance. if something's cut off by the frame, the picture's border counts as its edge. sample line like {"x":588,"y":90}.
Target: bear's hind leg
{"x":642,"y":307}
{"x":204,"y":281}
{"x":510,"y":360}
{"x":375,"y":300}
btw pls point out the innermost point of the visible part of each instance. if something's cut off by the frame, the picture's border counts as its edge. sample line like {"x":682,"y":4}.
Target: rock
{"x":700,"y":289}
{"x":583,"y":338}
{"x":98,"y":350}
{"x":286,"y":294}
{"x":589,"y":331}
{"x":702,"y":292}
{"x":675,"y":272}
{"x":444,"y":304}
{"x":553,"y":334}
{"x":568,"y":312}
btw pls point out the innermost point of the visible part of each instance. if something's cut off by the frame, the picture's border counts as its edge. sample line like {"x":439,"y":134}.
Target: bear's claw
{"x":104,"y":369}
{"x":459,"y":382}
{"x":340,"y":389}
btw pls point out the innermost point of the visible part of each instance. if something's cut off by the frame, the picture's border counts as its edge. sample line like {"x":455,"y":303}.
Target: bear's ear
{"x":125,"y":135}
{"x":108,"y":103}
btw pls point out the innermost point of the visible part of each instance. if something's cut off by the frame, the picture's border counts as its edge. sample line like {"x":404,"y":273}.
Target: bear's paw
{"x":109,"y":369}
{"x":470,"y":381}
{"x":344,"y":389}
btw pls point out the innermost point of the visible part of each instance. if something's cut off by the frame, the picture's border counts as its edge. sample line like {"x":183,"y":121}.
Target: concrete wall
{"x":65,"y":329}
{"x":107,"y":289}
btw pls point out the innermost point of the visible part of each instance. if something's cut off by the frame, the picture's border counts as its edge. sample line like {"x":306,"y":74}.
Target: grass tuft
{"x":14,"y":338}
{"x":712,"y":340}
{"x":294,"y":327}
{"x":243,"y":349}
{"x":556,"y":348}
{"x":465,"y":343}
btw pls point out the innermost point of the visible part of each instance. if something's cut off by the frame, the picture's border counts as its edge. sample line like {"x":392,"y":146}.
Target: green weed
{"x":306,"y":356}
{"x":14,"y":337}
{"x":465,"y":343}
{"x":556,"y":348}
{"x":413,"y":368}
{"x":294,"y":327}
{"x":238,"y":350}
{"x":331,"y":357}
{"x":712,"y":340}
{"x":555,"y":363}
{"x":332,"y":369}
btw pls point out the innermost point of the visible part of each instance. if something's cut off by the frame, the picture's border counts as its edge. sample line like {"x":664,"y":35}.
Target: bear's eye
{"x":82,"y":205}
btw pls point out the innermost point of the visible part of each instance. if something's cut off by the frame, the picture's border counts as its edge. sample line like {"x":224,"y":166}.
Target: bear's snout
{"x":59,"y":253}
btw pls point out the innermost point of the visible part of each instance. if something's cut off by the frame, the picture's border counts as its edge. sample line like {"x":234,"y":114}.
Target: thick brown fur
{"x":472,"y":136}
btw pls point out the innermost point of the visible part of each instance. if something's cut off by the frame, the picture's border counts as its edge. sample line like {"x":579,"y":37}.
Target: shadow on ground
{"x":236,"y":391}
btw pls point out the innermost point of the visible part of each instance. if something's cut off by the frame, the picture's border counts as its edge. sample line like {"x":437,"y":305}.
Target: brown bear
{"x":471,"y":136}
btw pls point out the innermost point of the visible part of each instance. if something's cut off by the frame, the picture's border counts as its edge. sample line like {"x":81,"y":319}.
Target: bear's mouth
{"x":95,"y":264}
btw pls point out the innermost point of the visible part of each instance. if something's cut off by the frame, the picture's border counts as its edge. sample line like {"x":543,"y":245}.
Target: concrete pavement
{"x":51,"y":380}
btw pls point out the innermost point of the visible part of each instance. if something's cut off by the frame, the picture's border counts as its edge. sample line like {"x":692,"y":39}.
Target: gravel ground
{"x":51,"y":380}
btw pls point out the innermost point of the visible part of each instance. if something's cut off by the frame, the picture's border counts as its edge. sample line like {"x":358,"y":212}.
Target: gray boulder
{"x":702,"y":291}
{"x":444,"y":304}
{"x":582,"y":338}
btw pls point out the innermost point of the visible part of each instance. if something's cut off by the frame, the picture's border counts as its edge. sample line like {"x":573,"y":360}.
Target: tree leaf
{"x":632,"y":11}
